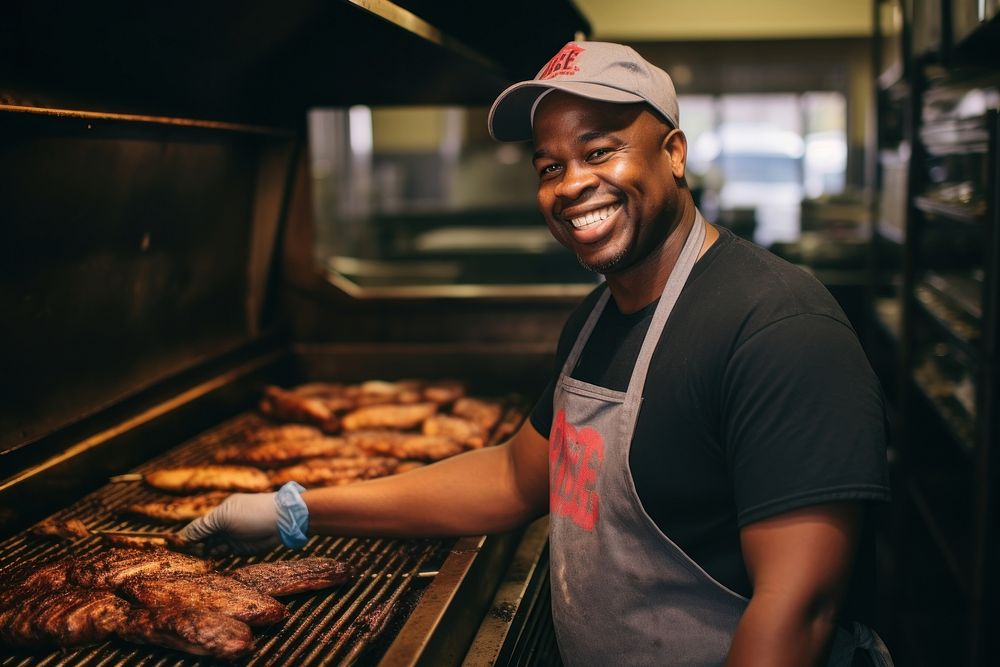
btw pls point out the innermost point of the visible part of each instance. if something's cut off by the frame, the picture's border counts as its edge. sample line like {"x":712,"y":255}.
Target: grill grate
{"x":342,"y":626}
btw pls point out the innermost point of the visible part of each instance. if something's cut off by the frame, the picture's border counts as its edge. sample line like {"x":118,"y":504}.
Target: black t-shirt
{"x":759,"y":400}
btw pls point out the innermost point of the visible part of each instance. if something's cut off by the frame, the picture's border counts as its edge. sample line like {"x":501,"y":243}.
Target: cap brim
{"x":510,"y":115}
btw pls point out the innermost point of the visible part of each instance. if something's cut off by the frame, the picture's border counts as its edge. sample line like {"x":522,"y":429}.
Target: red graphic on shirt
{"x":575,"y":458}
{"x":562,"y":63}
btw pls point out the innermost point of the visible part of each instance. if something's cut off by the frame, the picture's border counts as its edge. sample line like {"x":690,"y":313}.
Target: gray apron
{"x":622,"y":592}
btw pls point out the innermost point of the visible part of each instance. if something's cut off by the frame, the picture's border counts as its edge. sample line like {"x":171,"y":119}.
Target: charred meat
{"x":112,"y":568}
{"x":460,"y":429}
{"x":334,"y":472}
{"x":30,"y":579}
{"x":485,"y":413}
{"x":61,"y":529}
{"x":388,"y":416}
{"x":444,"y":391}
{"x":211,"y":592}
{"x":191,"y":630}
{"x":178,"y":508}
{"x":288,"y":577}
{"x":275,"y":453}
{"x":66,"y":617}
{"x":194,"y":479}
{"x":285,"y":405}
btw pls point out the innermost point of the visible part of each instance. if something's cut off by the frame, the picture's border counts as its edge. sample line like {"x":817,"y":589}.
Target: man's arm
{"x":800,"y":565}
{"x":484,"y":491}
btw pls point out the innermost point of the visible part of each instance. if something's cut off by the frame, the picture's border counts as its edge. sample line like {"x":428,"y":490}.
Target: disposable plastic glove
{"x":254,"y":522}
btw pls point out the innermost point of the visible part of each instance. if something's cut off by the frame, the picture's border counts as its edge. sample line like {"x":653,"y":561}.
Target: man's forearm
{"x":774,"y":633}
{"x":470,"y":494}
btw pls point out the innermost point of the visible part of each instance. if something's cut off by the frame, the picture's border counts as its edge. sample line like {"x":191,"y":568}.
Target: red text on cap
{"x":562,"y":63}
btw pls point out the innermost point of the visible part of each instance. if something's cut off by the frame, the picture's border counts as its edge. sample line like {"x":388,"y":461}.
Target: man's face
{"x":606,"y":178}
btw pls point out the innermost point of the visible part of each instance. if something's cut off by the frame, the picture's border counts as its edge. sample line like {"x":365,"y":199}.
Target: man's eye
{"x":548,"y":169}
{"x":598,"y":153}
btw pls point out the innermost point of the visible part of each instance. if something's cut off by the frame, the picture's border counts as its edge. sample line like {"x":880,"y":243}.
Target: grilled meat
{"x":404,"y":445}
{"x":388,"y":416}
{"x":195,"y":631}
{"x":211,"y":592}
{"x":30,"y":579}
{"x":66,"y":617}
{"x":158,"y":541}
{"x":112,"y":568}
{"x":484,"y":413}
{"x":178,"y":508}
{"x":192,"y":479}
{"x":61,"y":529}
{"x":378,"y":392}
{"x":275,"y":453}
{"x":460,"y":429}
{"x":287,"y":405}
{"x":288,"y":577}
{"x":283,"y":433}
{"x":444,"y":391}
{"x":334,"y":471}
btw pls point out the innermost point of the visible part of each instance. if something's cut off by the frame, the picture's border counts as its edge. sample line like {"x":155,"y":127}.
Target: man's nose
{"x":576,"y":179}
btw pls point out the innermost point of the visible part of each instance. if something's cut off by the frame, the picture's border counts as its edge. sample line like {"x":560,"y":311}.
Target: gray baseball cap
{"x":595,"y":70}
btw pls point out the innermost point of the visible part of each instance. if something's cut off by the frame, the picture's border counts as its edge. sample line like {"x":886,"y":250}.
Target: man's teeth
{"x":593,"y":216}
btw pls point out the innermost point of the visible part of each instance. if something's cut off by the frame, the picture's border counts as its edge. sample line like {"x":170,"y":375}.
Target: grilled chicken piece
{"x":190,"y":630}
{"x":210,"y":592}
{"x":67,"y":617}
{"x":444,"y":391}
{"x":177,"y":509}
{"x":283,"y":433}
{"x":274,"y":454}
{"x":289,"y":406}
{"x":192,"y":479}
{"x":30,"y":579}
{"x":288,"y":577}
{"x":335,"y":471}
{"x":460,"y":429}
{"x":404,"y":445}
{"x":378,"y":392}
{"x":159,"y":541}
{"x":61,"y":529}
{"x":112,"y":568}
{"x":388,"y":416}
{"x":484,"y":413}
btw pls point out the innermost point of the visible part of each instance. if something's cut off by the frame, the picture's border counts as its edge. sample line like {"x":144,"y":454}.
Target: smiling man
{"x":710,"y":449}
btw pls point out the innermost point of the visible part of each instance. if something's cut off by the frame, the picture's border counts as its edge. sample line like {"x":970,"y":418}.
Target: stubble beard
{"x":606,"y":266}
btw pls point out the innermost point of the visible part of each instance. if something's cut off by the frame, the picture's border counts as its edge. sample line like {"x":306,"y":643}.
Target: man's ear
{"x":675,"y":145}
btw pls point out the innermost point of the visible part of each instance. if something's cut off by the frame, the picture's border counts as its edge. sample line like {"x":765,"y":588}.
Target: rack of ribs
{"x":401,"y":417}
{"x":288,"y":577}
{"x":191,"y":630}
{"x":278,"y":453}
{"x":67,"y":616}
{"x":194,"y":479}
{"x":211,"y":592}
{"x":460,"y":429}
{"x":29,"y":579}
{"x":335,"y":471}
{"x":177,"y":508}
{"x":112,"y":568}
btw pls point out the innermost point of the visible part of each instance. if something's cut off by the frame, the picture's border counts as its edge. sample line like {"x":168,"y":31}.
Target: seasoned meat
{"x":192,"y":479}
{"x":211,"y":592}
{"x":288,"y":577}
{"x":460,"y":429}
{"x":286,"y":405}
{"x":178,"y":508}
{"x":275,"y":453}
{"x":404,"y":445}
{"x":66,"y":617}
{"x":484,"y":413}
{"x":378,"y":392}
{"x":335,"y":471}
{"x":282,"y":433}
{"x":191,"y":630}
{"x":444,"y":391}
{"x":110,"y":569}
{"x":162,"y":541}
{"x":388,"y":416}
{"x":29,"y":579}
{"x":61,"y":529}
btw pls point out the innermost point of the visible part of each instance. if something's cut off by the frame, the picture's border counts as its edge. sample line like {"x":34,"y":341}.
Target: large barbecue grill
{"x":157,"y":272}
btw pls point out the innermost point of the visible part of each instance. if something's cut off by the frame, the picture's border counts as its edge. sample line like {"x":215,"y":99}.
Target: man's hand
{"x":247,"y":522}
